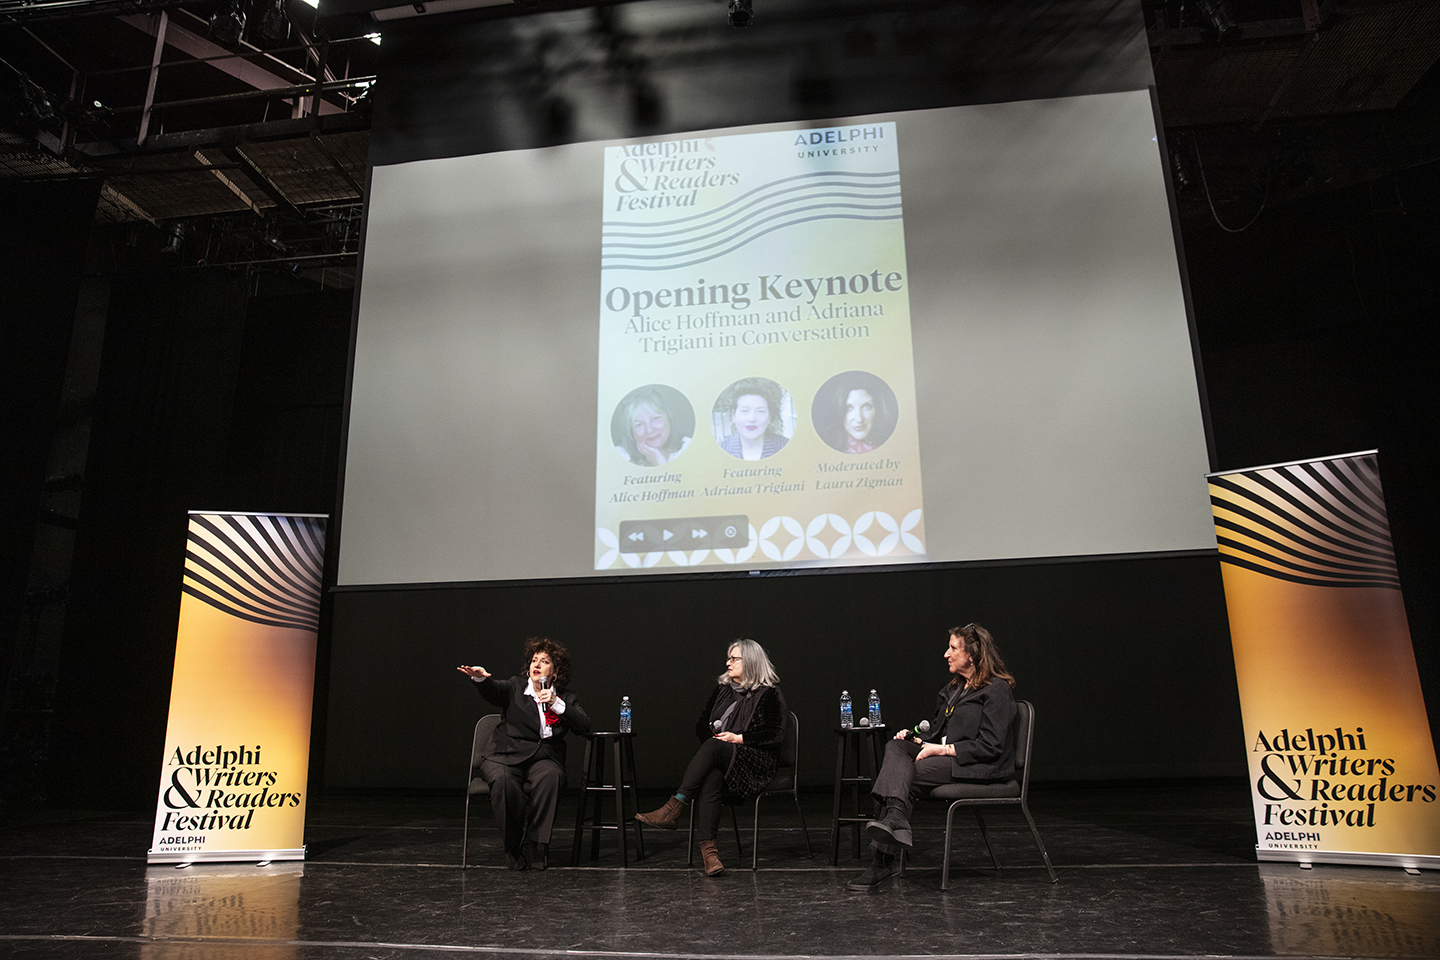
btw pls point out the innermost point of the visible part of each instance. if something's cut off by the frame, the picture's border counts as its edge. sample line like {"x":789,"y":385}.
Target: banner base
{"x":1349,"y":859}
{"x":222,"y":856}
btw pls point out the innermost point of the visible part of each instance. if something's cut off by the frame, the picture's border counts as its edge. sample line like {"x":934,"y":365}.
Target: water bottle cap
{"x":844,"y":693}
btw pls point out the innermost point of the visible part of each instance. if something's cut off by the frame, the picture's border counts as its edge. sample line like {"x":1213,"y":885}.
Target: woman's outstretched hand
{"x":474,"y":673}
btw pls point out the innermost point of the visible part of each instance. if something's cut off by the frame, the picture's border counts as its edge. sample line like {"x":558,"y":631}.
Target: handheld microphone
{"x":922,"y":727}
{"x":544,"y":683}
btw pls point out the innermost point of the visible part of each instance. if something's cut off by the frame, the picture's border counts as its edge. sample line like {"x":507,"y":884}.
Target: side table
{"x":859,"y":744}
{"x":621,"y":748}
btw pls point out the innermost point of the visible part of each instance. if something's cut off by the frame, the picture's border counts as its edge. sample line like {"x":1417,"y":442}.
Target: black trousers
{"x":703,"y":783}
{"x":524,"y":797}
{"x":904,"y":778}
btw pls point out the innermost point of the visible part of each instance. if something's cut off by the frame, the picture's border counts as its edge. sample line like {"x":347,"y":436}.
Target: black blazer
{"x":517,"y":737}
{"x":981,"y":725}
{"x":758,"y":757}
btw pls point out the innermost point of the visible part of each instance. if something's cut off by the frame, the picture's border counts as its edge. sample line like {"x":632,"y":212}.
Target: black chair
{"x":1015,"y":792}
{"x":477,"y":787}
{"x":785,"y":781}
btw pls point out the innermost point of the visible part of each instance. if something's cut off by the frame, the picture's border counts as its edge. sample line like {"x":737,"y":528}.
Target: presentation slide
{"x":760,"y":280}
{"x":931,"y":336}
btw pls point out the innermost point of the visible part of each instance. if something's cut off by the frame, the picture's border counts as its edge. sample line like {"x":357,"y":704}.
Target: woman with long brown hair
{"x":969,"y":741}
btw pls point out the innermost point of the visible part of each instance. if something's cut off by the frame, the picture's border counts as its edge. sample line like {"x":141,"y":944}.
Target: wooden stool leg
{"x":620,"y":830}
{"x":839,"y":788}
{"x":629,"y":754}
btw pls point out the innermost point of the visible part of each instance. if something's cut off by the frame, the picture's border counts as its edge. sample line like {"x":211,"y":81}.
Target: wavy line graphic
{"x":264,"y":569}
{"x":1321,"y":523}
{"x":730,"y":207}
{"x":762,"y":211}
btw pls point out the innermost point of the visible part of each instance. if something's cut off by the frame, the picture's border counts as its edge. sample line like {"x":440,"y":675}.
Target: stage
{"x":1146,"y":870}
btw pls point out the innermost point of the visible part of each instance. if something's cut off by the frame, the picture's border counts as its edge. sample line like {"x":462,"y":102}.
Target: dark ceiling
{"x":257,"y":154}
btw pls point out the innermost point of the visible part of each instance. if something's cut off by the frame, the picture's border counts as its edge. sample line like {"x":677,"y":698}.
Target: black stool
{"x":622,"y":751}
{"x":851,"y":741}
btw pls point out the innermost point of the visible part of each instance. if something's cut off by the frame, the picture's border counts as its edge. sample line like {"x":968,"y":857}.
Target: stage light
{"x":740,"y":13}
{"x":227,"y":25}
{"x":1179,"y":167}
{"x":558,"y":117}
{"x":646,"y":107}
{"x":1219,"y":16}
{"x":175,"y":239}
{"x":275,"y":24}
{"x":34,"y":101}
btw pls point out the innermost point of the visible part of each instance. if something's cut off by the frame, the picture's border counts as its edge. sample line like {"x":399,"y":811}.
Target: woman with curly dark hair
{"x":969,"y":741}
{"x":755,"y":429}
{"x":526,"y":758}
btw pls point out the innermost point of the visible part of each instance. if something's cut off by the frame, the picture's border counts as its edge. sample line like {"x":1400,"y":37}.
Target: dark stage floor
{"x":1145,"y":871}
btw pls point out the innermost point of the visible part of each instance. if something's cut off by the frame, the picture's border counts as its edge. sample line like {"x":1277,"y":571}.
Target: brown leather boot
{"x":711,"y":858}
{"x":667,"y":817}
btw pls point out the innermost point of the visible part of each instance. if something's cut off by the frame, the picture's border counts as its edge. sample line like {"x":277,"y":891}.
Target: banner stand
{"x":1342,"y":765}
{"x":237,"y":744}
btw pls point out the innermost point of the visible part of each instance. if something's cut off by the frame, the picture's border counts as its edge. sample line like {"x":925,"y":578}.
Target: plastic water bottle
{"x":847,"y":718}
{"x":875,"y":720}
{"x":624,"y":714}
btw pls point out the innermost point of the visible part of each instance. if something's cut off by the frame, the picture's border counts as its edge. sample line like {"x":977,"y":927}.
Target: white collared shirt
{"x":557,"y":706}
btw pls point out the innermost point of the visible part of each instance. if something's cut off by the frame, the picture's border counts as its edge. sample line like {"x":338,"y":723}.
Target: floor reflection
{"x":218,"y":902}
{"x":1350,"y":911}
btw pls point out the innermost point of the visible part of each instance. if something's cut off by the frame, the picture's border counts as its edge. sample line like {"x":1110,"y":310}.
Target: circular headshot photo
{"x":855,"y":411}
{"x":753,"y":418}
{"x":652,"y":425}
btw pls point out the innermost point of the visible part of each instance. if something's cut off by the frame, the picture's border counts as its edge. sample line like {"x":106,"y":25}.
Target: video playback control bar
{"x":684,"y":533}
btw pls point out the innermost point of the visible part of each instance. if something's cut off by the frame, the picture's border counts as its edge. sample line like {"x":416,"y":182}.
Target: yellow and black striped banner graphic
{"x":1322,"y":523}
{"x":1342,"y":766}
{"x":237,"y":746}
{"x":261,"y":568}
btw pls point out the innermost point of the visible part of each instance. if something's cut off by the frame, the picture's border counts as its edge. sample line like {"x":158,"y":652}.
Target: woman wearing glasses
{"x":741,"y":729}
{"x":969,"y":741}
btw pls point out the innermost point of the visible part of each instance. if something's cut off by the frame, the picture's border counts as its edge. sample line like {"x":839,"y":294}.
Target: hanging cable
{"x":1200,"y":164}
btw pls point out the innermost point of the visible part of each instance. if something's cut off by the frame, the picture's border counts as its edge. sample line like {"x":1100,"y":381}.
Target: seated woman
{"x":651,"y":434}
{"x":742,"y":726}
{"x":754,"y":409}
{"x":969,"y":741}
{"x":527,"y":754}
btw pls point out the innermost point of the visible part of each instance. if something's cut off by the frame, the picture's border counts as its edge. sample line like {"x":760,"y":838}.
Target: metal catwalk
{"x":1145,"y":871}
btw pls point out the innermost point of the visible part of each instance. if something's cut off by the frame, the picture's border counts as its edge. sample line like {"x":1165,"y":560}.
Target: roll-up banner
{"x":237,"y":746}
{"x":1342,"y":765}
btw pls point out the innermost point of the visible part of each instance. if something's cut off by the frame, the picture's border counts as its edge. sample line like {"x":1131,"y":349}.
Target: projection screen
{"x":914,"y":337}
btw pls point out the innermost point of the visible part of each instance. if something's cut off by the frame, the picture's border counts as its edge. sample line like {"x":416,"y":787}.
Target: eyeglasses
{"x":731,"y":659}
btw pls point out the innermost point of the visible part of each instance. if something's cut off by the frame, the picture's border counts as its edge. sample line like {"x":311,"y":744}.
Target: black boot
{"x":882,"y":867}
{"x":892,"y":827}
